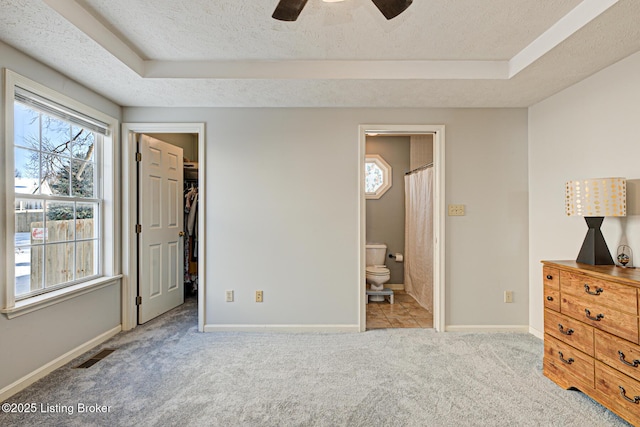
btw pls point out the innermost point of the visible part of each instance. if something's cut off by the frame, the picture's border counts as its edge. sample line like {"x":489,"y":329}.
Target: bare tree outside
{"x":56,"y":201}
{"x":60,"y":155}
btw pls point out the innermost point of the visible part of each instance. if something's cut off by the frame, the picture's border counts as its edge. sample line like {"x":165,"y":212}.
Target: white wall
{"x":31,"y":341}
{"x":589,"y":130}
{"x":282,"y":211}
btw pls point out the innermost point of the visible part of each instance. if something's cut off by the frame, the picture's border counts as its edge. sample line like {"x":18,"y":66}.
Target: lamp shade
{"x":597,"y":197}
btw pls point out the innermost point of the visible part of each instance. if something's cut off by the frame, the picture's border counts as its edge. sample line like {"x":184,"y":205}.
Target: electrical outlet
{"x":229,"y":296}
{"x":508,"y":296}
{"x":456,"y":210}
{"x":258,"y":296}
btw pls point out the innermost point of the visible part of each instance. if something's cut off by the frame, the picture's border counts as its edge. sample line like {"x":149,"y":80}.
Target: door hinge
{"x":138,"y":300}
{"x":138,"y":157}
{"x":138,"y":228}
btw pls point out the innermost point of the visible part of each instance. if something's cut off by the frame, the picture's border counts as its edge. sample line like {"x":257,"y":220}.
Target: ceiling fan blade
{"x":392,"y":8}
{"x":288,"y":10}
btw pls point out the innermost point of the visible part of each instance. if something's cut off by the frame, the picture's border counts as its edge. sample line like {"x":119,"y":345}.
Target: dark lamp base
{"x":594,"y":249}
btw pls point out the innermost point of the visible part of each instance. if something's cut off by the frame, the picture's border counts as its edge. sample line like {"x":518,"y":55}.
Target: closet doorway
{"x":437,"y":131}
{"x":184,"y":214}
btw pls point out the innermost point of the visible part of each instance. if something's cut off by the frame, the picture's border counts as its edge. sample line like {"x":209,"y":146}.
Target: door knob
{"x":181,"y":234}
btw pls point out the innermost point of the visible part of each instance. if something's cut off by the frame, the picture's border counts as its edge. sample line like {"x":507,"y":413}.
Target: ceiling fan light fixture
{"x":289,"y":10}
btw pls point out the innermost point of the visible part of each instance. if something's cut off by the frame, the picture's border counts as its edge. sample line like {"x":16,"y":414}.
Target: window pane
{"x":28,"y":269}
{"x":56,"y":136}
{"x":86,"y":220}
{"x":60,"y":221}
{"x":26,"y":171}
{"x":83,"y":179}
{"x":83,"y":142}
{"x":373,"y":177}
{"x":29,"y":219}
{"x":26,"y":127}
{"x":86,"y":258}
{"x":59,"y":263}
{"x":56,"y":241}
{"x":55,"y":171}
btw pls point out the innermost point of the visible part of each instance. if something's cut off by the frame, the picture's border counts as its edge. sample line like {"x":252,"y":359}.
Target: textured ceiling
{"x":439,"y":53}
{"x":354,"y":29}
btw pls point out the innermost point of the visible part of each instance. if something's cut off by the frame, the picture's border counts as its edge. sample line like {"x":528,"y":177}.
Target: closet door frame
{"x":129,"y":215}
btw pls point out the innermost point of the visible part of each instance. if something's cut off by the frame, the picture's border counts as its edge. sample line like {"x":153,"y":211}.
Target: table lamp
{"x":594,"y":199}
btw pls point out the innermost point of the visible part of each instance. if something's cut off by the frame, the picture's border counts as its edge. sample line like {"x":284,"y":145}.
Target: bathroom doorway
{"x":410,"y":150}
{"x":400,"y":225}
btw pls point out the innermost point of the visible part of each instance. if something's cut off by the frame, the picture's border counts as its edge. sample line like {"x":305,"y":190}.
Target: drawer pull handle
{"x":623,"y":393}
{"x":562,"y":331}
{"x":549,"y":277}
{"x":634,"y":364}
{"x":549,"y":298}
{"x":568,"y":361}
{"x":598,"y":318}
{"x":596,"y":293}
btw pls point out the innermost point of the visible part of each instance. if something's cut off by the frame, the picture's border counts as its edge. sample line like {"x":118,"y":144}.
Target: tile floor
{"x":405,"y":312}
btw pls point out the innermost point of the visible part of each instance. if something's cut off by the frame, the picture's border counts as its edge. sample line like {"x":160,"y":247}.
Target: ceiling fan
{"x":289,"y":10}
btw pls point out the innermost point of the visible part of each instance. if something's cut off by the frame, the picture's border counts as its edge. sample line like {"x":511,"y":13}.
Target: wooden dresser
{"x":591,"y":333}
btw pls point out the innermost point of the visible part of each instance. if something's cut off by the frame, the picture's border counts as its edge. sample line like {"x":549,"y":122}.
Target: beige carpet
{"x":165,"y":373}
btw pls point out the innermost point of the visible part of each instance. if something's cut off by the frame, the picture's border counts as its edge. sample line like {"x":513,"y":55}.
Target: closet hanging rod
{"x":419,"y":168}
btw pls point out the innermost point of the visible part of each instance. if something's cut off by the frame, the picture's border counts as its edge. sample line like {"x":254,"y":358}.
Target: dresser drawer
{"x":622,"y":394}
{"x":619,"y":354}
{"x":605,"y":318}
{"x":565,"y":360}
{"x":621,"y":297}
{"x":592,"y":344}
{"x":569,"y":330}
{"x":551,"y":277}
{"x":551,"y":298}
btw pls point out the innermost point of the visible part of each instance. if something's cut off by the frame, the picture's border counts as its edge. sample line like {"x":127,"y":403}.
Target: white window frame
{"x":108,"y":188}
{"x":386,"y":176}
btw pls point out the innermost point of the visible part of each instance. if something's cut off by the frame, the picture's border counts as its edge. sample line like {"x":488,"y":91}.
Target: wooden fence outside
{"x":24,"y":219}
{"x":59,"y":259}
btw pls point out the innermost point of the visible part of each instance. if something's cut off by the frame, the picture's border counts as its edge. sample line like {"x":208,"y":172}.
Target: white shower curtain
{"x":418,"y":236}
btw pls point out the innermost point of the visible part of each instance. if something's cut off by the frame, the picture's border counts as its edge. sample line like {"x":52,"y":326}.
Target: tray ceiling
{"x":439,"y":53}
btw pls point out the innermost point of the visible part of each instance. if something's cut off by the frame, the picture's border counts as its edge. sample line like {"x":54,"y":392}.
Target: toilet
{"x":377,"y":274}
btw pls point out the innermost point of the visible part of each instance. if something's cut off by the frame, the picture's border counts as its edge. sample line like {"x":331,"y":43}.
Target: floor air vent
{"x":96,"y":358}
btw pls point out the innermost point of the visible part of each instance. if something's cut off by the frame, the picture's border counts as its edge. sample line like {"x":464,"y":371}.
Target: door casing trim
{"x":439,"y":214}
{"x":129,"y":214}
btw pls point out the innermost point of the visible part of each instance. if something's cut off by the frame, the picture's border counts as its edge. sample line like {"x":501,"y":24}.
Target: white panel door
{"x":161,"y":214}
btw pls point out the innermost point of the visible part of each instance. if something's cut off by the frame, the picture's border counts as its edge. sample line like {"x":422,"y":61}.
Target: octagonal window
{"x":377,"y":178}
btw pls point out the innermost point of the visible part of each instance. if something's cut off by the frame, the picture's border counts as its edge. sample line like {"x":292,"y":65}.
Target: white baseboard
{"x":45,"y":370}
{"x":536,"y":333}
{"x":487,"y":328}
{"x":282,"y":328}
